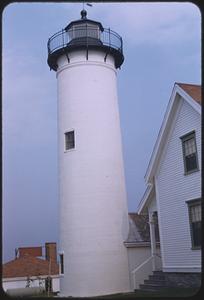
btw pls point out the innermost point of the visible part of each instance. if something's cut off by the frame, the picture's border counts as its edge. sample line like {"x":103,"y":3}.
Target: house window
{"x":189,"y":153}
{"x":194,"y":207}
{"x":61,"y":256}
{"x":69,"y":140}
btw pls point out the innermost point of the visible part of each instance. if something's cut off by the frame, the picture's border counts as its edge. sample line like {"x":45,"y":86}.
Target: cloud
{"x":150,"y":22}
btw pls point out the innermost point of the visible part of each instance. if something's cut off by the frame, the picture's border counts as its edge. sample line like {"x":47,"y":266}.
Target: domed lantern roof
{"x":84,"y":21}
{"x":81,"y":30}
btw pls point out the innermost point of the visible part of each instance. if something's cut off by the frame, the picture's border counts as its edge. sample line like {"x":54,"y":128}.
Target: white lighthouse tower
{"x":93,"y":206}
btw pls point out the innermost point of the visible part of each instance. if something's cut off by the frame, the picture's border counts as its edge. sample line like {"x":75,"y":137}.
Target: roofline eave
{"x":152,"y":166}
{"x":145,"y":198}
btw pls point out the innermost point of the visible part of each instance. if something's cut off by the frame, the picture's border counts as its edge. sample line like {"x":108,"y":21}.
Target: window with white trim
{"x":69,"y":140}
{"x":194,"y":207}
{"x":190,"y":156}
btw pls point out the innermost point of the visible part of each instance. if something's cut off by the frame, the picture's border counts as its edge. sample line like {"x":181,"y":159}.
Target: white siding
{"x":173,"y":189}
{"x":20,"y":282}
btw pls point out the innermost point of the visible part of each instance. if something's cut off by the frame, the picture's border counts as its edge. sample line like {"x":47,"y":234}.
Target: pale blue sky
{"x":161,"y":47}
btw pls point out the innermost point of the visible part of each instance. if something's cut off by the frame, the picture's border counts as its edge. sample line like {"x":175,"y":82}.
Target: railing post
{"x":62,"y":38}
{"x":134,"y":285}
{"x":86,"y":42}
{"x":109,"y":37}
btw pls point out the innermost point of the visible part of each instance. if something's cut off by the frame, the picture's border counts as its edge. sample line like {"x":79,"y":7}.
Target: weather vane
{"x":88,"y":4}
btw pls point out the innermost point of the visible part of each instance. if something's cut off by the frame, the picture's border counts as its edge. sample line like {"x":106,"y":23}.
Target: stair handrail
{"x":139,"y":267}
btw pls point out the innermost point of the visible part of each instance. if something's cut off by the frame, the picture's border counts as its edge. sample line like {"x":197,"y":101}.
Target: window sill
{"x":195,"y":248}
{"x":70,"y":150}
{"x":191,"y":172}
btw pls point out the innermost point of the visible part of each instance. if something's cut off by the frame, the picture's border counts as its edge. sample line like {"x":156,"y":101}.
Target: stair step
{"x":151,"y":287}
{"x":155,"y":282}
{"x":157,"y":277}
{"x":158,"y":272}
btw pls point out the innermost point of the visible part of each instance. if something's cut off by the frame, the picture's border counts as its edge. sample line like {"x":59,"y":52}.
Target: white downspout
{"x":152,"y":240}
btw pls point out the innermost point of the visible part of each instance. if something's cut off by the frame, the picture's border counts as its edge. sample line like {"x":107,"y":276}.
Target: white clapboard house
{"x":173,"y":193}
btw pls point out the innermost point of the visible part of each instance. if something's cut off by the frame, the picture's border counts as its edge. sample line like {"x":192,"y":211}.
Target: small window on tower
{"x":61,"y":257}
{"x":69,"y":140}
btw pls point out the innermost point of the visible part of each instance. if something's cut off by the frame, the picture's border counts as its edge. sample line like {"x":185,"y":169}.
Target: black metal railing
{"x":84,"y":35}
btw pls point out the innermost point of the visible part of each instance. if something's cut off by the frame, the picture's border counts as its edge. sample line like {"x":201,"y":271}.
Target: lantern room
{"x":84,"y":31}
{"x":84,"y":34}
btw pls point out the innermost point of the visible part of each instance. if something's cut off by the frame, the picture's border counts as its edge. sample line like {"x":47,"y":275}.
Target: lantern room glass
{"x":84,"y":30}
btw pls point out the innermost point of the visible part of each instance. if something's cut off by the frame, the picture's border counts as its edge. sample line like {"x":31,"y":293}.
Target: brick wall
{"x":51,"y":252}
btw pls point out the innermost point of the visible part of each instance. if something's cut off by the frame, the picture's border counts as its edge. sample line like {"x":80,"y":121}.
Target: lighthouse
{"x":92,"y":194}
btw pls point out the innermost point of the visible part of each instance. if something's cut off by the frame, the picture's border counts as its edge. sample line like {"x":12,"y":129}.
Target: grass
{"x":165,"y":293}
{"x":169,"y":292}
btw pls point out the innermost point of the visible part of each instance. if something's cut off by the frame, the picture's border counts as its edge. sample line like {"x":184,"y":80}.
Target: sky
{"x":162,"y":45}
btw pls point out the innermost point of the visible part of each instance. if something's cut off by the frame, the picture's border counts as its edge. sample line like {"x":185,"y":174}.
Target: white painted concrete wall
{"x":173,"y":189}
{"x":93,"y":206}
{"x":14,"y":284}
{"x":136,"y":256}
{"x":56,"y":284}
{"x":20,"y":282}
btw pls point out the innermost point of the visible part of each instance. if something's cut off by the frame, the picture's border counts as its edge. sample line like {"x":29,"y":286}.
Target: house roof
{"x":193,"y":90}
{"x":138,"y":228}
{"x":29,"y":265}
{"x":139,"y":232}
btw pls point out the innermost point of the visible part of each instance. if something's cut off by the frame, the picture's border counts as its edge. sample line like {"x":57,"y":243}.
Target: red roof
{"x":29,"y":266}
{"x":193,"y":90}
